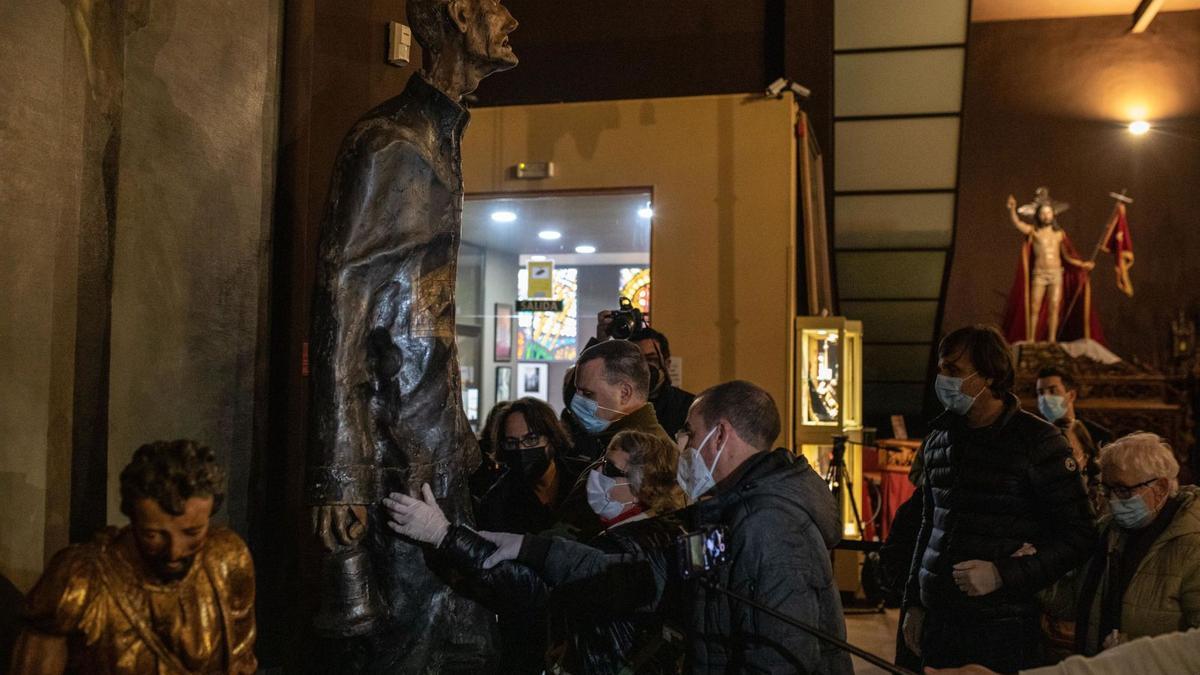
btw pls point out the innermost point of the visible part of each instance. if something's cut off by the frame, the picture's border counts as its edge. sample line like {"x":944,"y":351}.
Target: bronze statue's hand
{"x":1012,"y":202}
{"x":339,"y":524}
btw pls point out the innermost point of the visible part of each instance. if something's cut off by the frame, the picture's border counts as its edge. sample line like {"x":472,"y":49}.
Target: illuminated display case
{"x":828,"y":395}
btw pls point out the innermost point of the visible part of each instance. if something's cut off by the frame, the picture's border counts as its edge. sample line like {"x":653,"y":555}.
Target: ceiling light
{"x":537,"y":258}
{"x":1139,"y":127}
{"x":504,"y":216}
{"x":585,"y":249}
{"x":646,"y":212}
{"x":549,"y":235}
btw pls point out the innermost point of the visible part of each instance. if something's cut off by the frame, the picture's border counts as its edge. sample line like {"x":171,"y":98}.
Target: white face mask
{"x":693,"y":475}
{"x":598,"y":488}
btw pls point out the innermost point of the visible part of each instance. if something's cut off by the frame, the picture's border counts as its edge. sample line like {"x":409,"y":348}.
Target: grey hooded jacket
{"x":781,"y":522}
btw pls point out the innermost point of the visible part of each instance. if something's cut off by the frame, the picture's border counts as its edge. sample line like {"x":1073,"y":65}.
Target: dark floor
{"x":875,"y":633}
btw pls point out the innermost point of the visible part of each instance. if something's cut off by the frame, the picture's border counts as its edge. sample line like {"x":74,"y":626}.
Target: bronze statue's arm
{"x":1025,"y":228}
{"x":39,"y":653}
{"x":368,"y":195}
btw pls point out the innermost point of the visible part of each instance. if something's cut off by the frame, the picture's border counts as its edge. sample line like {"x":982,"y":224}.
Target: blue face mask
{"x":949,"y":392}
{"x":1132,"y":513}
{"x":587,"y":413}
{"x":1052,"y":407}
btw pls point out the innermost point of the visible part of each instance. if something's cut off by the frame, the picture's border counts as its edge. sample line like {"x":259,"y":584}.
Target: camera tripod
{"x":837,"y":477}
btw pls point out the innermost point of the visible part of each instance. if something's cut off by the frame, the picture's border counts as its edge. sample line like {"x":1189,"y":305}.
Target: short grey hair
{"x":623,"y":361}
{"x":1144,"y":454}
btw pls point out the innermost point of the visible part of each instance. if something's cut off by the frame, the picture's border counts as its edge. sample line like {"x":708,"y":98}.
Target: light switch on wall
{"x":399,"y":43}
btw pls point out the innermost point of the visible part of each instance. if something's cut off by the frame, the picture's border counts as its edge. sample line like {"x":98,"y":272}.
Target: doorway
{"x":593,"y":247}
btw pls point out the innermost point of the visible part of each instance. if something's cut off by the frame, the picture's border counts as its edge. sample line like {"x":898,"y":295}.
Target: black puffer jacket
{"x":987,"y":492}
{"x":602,"y":632}
{"x":781,"y":522}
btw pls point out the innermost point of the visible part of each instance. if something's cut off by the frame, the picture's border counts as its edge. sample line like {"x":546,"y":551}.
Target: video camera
{"x":626,"y":320}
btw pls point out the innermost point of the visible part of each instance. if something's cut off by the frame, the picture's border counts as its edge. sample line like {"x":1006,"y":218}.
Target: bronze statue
{"x":166,"y":594}
{"x":387,"y":401}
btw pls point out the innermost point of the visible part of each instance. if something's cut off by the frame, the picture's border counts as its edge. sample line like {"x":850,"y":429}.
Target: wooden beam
{"x":1144,"y":14}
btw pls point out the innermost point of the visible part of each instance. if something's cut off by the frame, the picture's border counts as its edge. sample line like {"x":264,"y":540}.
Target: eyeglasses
{"x":1124,"y":491}
{"x":611,"y":470}
{"x":529,"y":440}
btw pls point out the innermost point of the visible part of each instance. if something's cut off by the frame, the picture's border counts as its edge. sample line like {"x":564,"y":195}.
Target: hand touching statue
{"x":420,"y":519}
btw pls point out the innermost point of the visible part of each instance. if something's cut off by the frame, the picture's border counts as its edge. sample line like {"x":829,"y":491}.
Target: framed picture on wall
{"x":504,"y":332}
{"x":503,"y":383}
{"x":533,"y":380}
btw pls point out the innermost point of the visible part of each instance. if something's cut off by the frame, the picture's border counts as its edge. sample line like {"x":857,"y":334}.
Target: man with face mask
{"x":781,"y":521}
{"x":1004,"y":515}
{"x":1057,"y":393}
{"x":610,"y":394}
{"x":670,"y":403}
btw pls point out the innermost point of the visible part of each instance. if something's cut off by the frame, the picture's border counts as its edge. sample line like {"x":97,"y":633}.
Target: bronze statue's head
{"x":169,"y":492}
{"x":474,"y":30}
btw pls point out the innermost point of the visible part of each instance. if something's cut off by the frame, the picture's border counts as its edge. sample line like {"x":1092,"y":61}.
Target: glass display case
{"x":828,"y":385}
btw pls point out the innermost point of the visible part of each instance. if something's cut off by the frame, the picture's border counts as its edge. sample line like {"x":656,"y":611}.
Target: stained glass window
{"x":549,"y":336}
{"x":635,"y":285}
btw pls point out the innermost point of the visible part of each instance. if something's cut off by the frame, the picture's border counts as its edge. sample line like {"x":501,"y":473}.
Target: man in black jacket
{"x":1004,"y":515}
{"x":781,"y":522}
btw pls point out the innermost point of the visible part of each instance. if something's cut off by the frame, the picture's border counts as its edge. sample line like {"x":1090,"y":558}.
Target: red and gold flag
{"x":1118,"y":242}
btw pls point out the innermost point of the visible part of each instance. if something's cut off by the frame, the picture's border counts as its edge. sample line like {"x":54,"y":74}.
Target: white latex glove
{"x":420,"y":520}
{"x":914,"y":620}
{"x":508,"y":547}
{"x":977,"y":577}
{"x":1114,"y":639}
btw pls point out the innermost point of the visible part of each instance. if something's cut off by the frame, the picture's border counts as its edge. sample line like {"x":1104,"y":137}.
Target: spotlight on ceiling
{"x":585,"y":249}
{"x":646,"y":212}
{"x":504,"y":216}
{"x":1139,"y":127}
{"x":549,"y":235}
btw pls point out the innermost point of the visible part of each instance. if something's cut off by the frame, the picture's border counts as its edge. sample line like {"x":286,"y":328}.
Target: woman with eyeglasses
{"x":529,"y":442}
{"x":1145,"y":579}
{"x":633,"y":489}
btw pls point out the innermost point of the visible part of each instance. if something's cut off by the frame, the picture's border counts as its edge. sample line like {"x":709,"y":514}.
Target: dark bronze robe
{"x":387,"y":403}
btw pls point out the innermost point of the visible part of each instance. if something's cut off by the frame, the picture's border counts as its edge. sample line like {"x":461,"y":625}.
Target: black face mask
{"x":658,"y":379}
{"x":530,"y":462}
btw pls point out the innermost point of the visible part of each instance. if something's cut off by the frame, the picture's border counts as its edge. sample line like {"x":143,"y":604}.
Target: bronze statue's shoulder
{"x":396,"y":124}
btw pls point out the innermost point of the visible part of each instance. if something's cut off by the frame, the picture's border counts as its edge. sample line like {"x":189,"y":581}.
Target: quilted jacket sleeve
{"x":1063,"y":508}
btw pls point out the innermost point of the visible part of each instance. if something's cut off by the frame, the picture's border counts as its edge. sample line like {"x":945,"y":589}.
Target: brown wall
{"x":1046,"y":103}
{"x":134,"y":215}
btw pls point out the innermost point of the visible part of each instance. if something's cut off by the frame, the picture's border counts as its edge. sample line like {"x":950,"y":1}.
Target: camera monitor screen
{"x":702,"y":551}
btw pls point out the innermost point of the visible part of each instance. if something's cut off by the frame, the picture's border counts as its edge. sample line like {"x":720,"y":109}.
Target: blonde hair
{"x":1144,"y":454}
{"x":652,"y":464}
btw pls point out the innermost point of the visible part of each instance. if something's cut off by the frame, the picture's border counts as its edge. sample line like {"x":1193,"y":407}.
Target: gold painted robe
{"x":119,"y":621}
